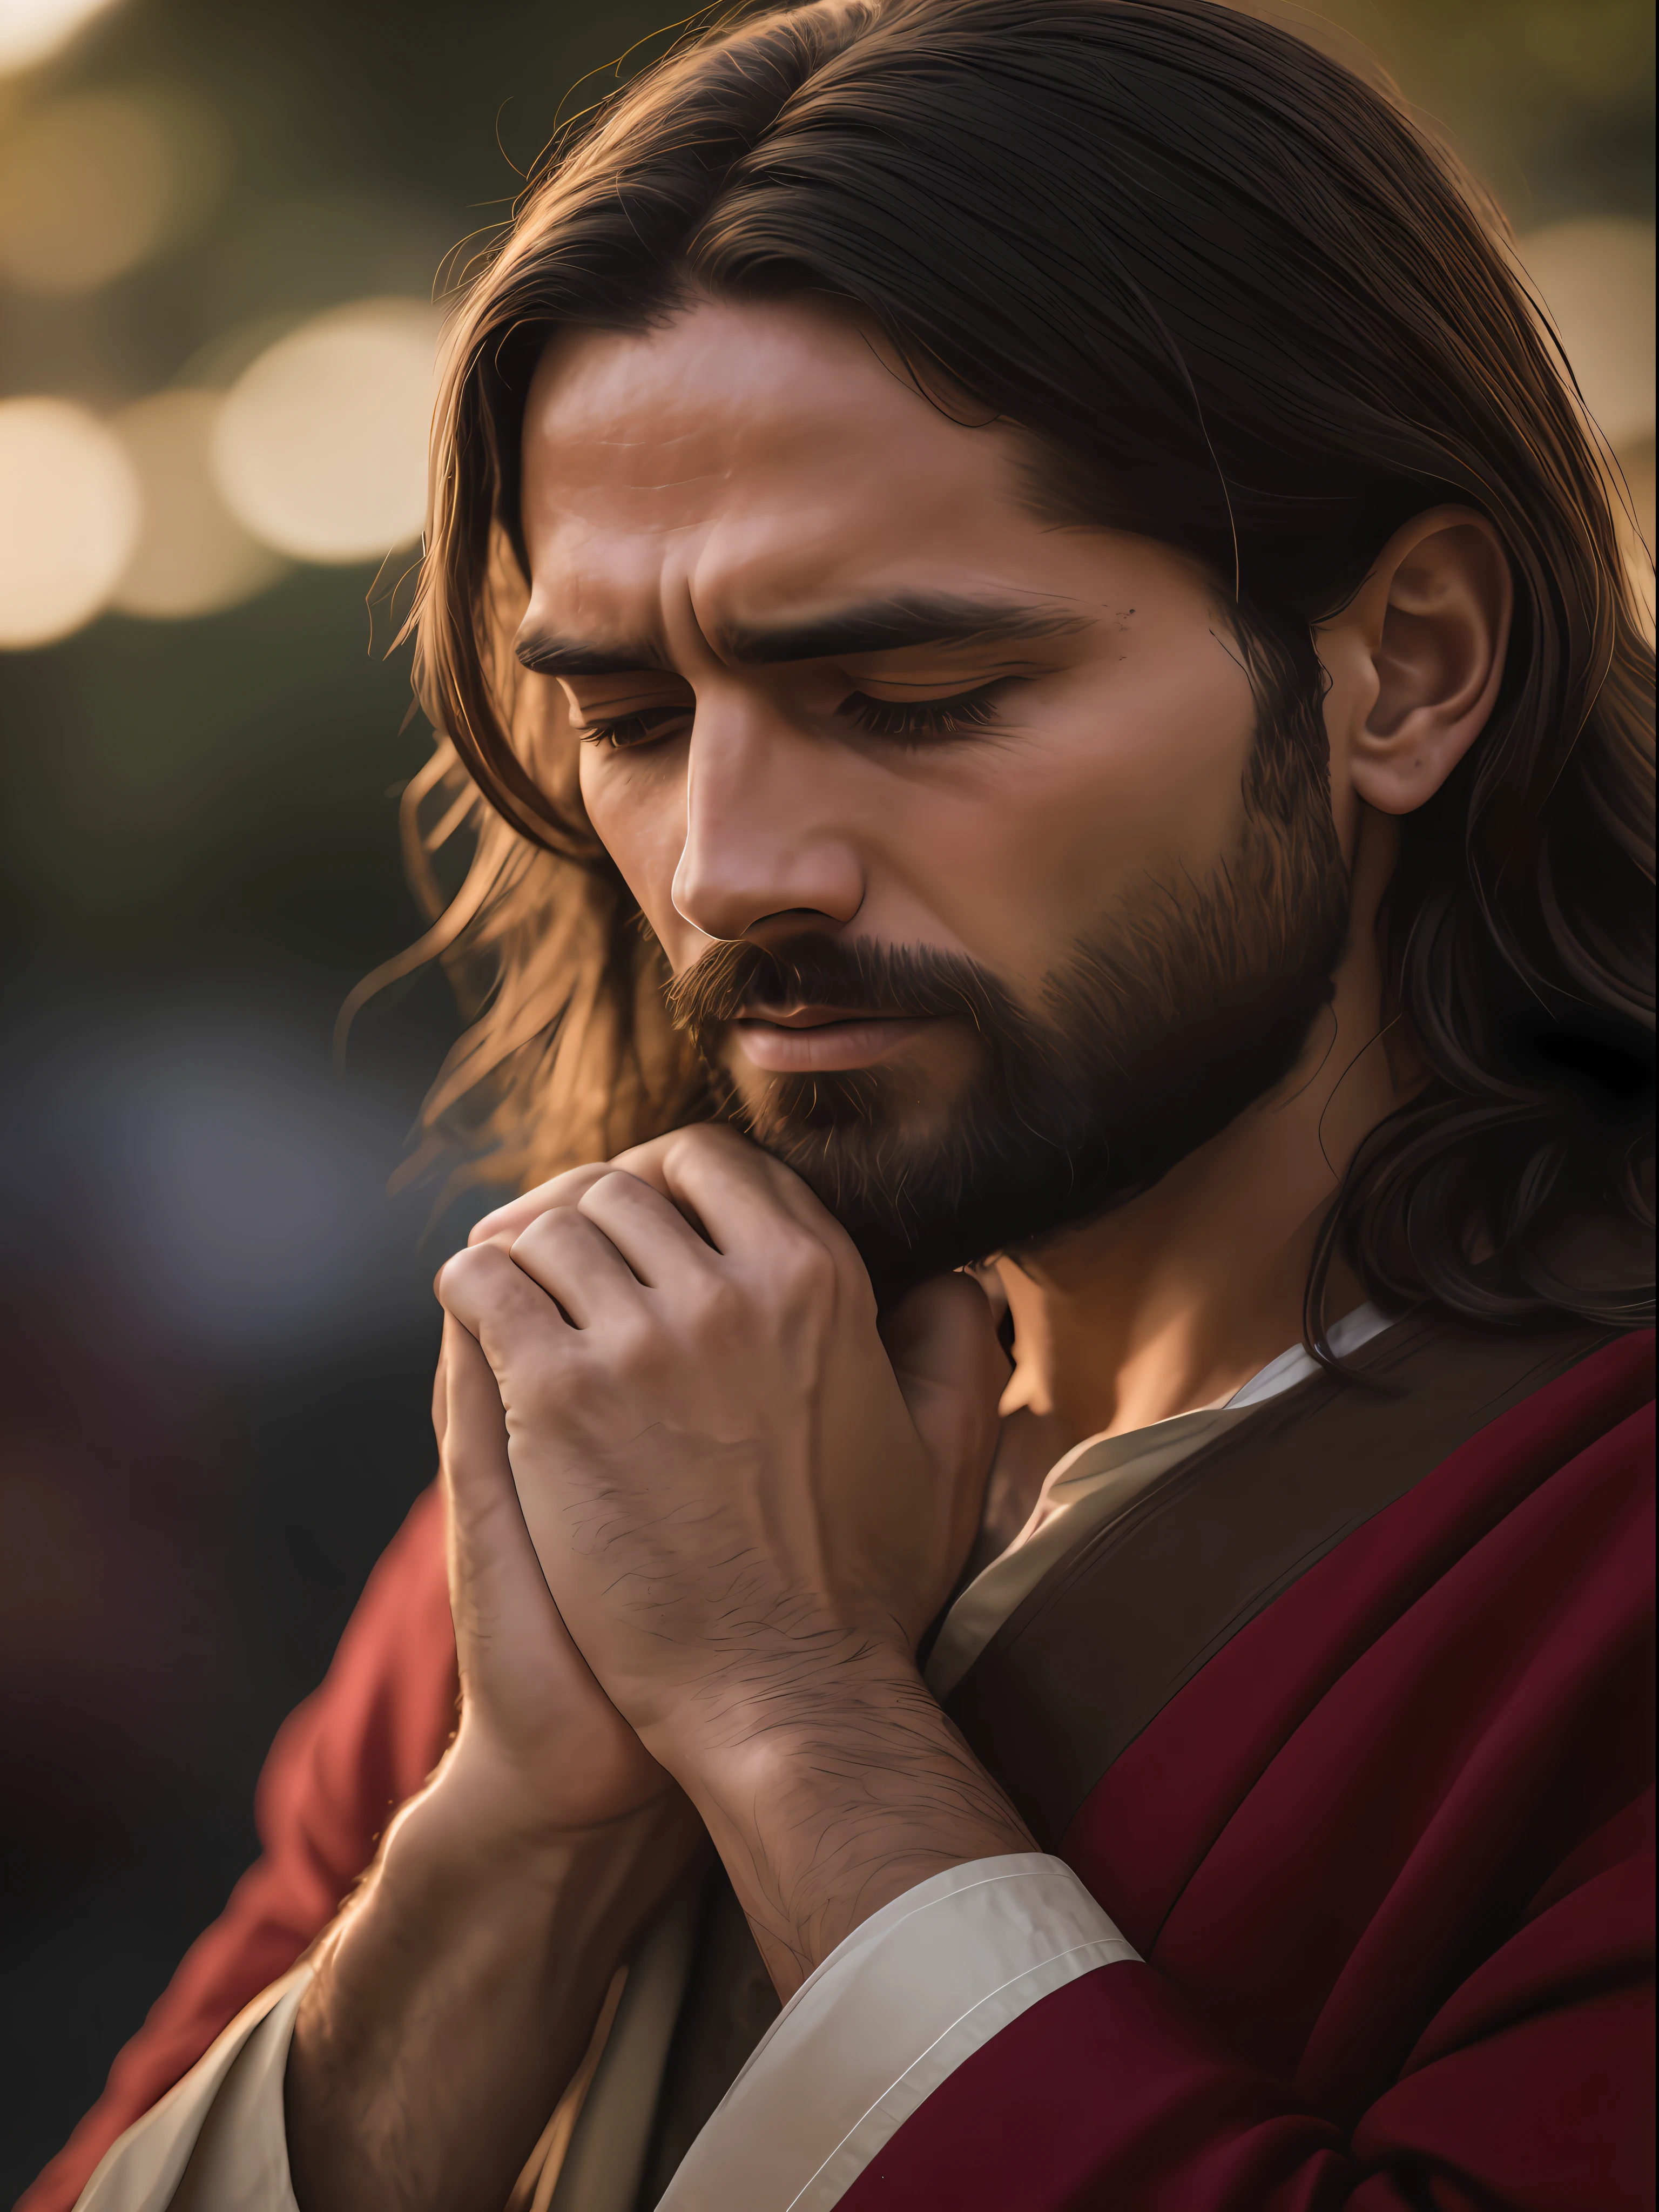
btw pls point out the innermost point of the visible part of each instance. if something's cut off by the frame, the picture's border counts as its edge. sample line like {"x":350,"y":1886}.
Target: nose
{"x":762,"y":841}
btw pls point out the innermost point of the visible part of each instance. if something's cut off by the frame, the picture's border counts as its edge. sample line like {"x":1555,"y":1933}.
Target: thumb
{"x":468,"y":1419}
{"x":491,"y":1558}
{"x":942,"y":1342}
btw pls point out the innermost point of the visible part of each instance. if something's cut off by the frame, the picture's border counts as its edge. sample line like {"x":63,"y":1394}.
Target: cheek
{"x":636,"y":803}
{"x":1116,"y":781}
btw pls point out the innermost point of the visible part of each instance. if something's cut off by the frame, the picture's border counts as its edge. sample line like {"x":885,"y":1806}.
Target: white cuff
{"x":216,"y":2142}
{"x":914,"y":1991}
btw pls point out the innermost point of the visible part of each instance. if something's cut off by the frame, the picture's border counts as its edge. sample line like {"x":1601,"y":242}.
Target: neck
{"x":1179,"y":1296}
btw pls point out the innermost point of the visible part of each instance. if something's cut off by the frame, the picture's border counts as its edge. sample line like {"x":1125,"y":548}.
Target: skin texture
{"x":665,"y":1397}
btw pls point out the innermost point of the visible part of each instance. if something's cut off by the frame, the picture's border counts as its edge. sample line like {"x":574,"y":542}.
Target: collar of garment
{"x":1101,"y":1478}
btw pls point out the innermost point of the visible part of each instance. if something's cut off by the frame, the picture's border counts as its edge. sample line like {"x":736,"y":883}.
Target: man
{"x":1075,"y":683}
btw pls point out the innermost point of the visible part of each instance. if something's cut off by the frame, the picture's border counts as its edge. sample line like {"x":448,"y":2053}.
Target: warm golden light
{"x":320,"y":449}
{"x":192,"y":556}
{"x":30,"y":30}
{"x":93,"y":185}
{"x":1596,"y":276}
{"x":70,"y":500}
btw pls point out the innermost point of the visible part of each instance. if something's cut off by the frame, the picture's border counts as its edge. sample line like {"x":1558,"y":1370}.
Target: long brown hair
{"x":1249,"y":310}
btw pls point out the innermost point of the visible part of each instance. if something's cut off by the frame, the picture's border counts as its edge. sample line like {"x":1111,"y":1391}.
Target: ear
{"x":1415,"y":660}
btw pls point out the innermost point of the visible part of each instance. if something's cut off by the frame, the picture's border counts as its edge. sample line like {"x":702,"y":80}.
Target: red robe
{"x":1386,"y":1857}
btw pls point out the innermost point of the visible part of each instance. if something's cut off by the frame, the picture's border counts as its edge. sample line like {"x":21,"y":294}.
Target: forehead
{"x":754,"y":454}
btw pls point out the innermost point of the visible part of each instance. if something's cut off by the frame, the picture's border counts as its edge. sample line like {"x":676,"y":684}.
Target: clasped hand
{"x":736,"y":1486}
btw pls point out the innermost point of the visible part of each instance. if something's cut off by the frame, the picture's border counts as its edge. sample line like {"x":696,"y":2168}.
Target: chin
{"x":848,"y":1119}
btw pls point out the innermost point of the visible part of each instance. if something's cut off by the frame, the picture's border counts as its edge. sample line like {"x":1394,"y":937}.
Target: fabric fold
{"x":892,"y":2012}
{"x":217,"y":2141}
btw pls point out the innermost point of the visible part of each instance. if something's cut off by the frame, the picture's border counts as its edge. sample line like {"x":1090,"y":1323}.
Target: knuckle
{"x":518,"y":1214}
{"x":695,"y":1136}
{"x":640,"y":1160}
{"x":559,"y":1223}
{"x":506,"y":1222}
{"x":702,"y":1141}
{"x":500,"y":1220}
{"x":477,"y":1285}
{"x":565,"y":1189}
{"x":614,"y":1187}
{"x":463,"y":1272}
{"x":548,"y":1231}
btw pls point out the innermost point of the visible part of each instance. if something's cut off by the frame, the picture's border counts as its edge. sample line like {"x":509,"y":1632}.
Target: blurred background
{"x":219,"y":229}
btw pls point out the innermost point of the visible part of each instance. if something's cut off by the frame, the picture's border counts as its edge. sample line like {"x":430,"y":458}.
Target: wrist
{"x":463,"y":1892}
{"x":777,"y":1695}
{"x":469,"y":1836}
{"x":829,"y":1791}
{"x":484,"y":1803}
{"x":870,"y":1760}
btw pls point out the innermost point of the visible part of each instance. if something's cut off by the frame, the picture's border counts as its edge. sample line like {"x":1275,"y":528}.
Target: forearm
{"x":831,"y":1792}
{"x":454,"y":1997}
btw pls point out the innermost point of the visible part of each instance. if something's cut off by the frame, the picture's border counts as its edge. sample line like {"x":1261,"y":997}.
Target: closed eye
{"x":915,"y":721}
{"x":901,"y":721}
{"x":623,"y":732}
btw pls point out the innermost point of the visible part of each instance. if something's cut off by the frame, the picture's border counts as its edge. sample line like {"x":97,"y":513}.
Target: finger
{"x":497,"y":1588}
{"x":943,"y":1322}
{"x":742,"y":1194}
{"x":506,"y":1222}
{"x":491,"y":1553}
{"x":510,"y":1220}
{"x":575,"y":1262}
{"x":950,"y":1368}
{"x":467,"y":1414}
{"x":659,"y":1245}
{"x":645,"y":1161}
{"x":499,"y":1303}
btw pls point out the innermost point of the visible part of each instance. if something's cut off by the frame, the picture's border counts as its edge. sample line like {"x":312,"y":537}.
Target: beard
{"x":1188,"y":1001}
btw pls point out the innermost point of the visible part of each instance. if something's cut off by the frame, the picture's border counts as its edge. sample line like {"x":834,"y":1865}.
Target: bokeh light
{"x":30,"y":30}
{"x":70,"y":500}
{"x":320,"y":447}
{"x":1596,"y":276}
{"x":192,"y":556}
{"x":93,"y":185}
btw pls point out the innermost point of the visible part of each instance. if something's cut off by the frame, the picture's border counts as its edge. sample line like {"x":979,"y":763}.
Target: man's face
{"x":973,"y":780}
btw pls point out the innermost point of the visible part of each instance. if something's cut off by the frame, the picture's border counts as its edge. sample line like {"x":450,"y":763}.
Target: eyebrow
{"x":888,"y":625}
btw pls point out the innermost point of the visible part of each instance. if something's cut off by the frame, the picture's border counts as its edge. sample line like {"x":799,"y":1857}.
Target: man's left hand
{"x":749,"y":1501}
{"x":731,"y":1476}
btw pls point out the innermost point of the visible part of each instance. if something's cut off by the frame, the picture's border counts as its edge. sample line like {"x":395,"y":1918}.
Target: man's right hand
{"x":454,"y":1996}
{"x":541,"y":1749}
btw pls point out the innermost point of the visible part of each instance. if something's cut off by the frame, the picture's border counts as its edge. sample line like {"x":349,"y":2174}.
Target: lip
{"x":813,"y":1040}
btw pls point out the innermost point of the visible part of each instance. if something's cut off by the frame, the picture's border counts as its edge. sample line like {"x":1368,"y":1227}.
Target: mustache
{"x":735,"y":976}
